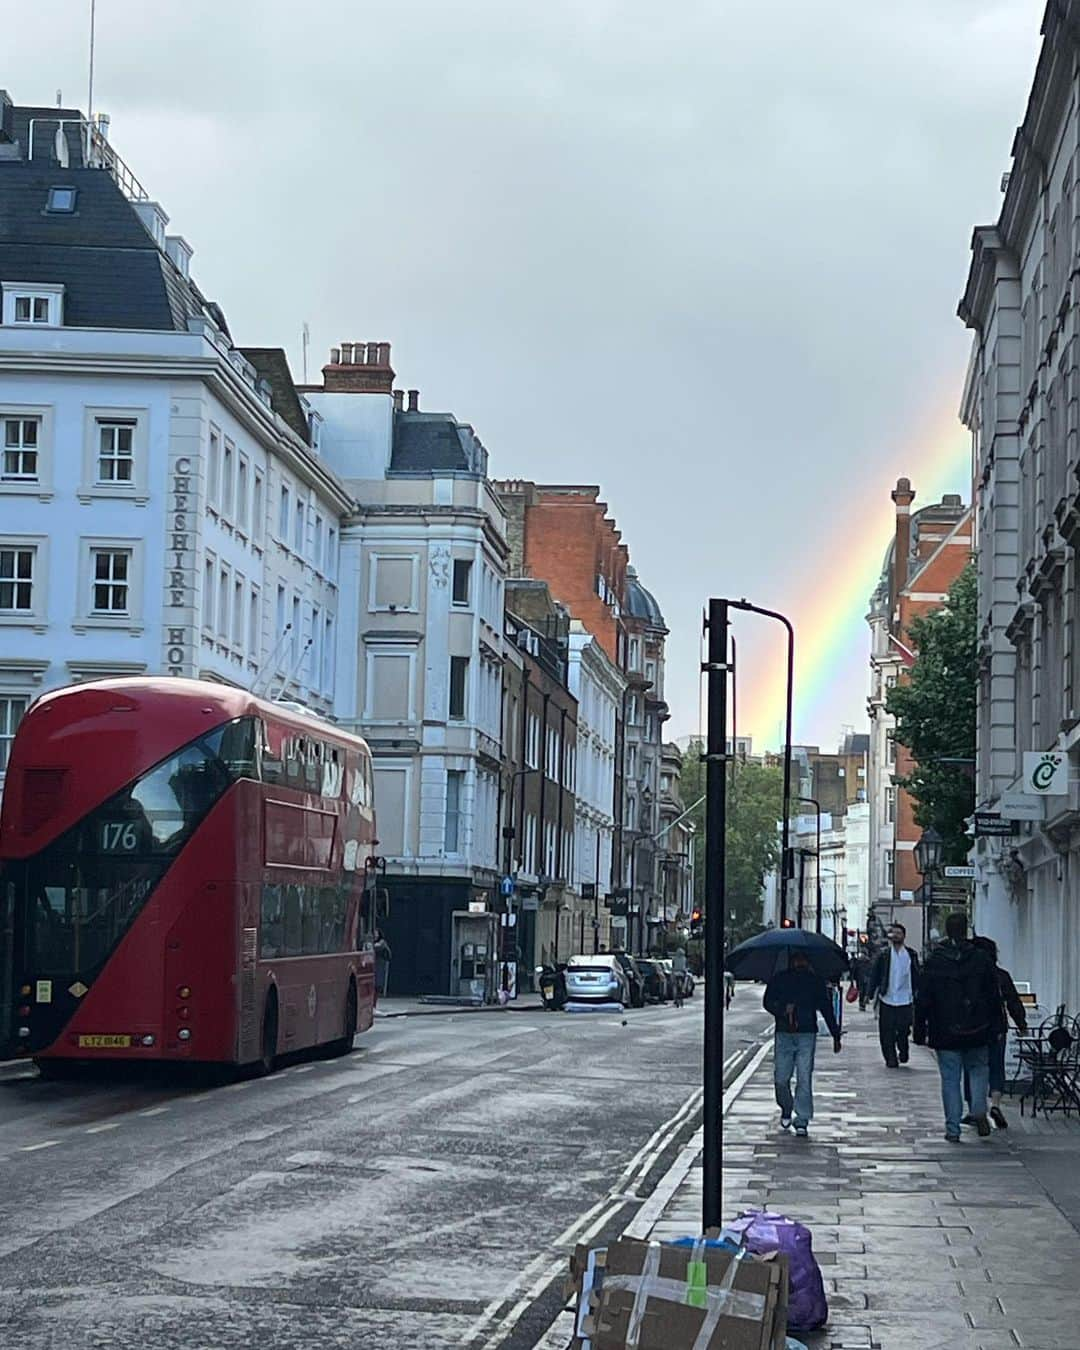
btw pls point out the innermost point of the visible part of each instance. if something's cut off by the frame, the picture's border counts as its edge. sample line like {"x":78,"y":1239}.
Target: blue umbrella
{"x":762,"y":957}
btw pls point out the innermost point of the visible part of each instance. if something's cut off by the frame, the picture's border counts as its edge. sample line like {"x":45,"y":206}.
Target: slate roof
{"x":113,"y":273}
{"x":640,"y":603}
{"x":426,"y":442}
{"x":272,"y":365}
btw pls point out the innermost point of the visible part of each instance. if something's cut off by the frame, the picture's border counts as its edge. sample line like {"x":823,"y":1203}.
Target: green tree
{"x":753,"y":844}
{"x":935,"y":715}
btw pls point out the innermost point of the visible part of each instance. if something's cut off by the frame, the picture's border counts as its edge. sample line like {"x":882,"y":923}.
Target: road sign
{"x":1021,"y":806}
{"x":990,"y":824}
{"x":1046,"y":773}
{"x":964,"y":873}
{"x":506,"y":886}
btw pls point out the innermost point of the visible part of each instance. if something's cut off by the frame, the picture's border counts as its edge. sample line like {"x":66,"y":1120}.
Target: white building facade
{"x":420,"y":649}
{"x":141,"y":453}
{"x":598,"y":685}
{"x":1021,"y":405}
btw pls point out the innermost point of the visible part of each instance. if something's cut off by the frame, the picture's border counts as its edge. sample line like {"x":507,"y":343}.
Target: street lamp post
{"x":928,"y":859}
{"x":716,"y":668}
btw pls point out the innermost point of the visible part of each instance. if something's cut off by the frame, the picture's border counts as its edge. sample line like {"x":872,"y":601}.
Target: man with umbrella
{"x":796,"y":964}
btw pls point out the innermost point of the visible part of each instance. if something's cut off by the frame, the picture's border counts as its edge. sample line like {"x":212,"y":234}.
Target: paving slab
{"x":923,"y":1245}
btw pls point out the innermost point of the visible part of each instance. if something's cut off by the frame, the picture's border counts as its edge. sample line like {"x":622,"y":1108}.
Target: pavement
{"x":420,"y":1193}
{"x":922,"y":1244}
{"x":416,"y":1007}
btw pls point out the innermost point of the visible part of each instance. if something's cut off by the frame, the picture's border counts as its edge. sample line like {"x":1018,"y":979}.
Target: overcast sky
{"x":705,"y":254}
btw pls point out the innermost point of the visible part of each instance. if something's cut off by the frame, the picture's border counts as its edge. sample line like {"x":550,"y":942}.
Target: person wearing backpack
{"x":958,"y":1013}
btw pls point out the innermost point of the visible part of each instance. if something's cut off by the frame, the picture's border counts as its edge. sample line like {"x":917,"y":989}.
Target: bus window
{"x":313,"y":765}
{"x":238,"y":741}
{"x":271,"y":928}
{"x":294,"y":934}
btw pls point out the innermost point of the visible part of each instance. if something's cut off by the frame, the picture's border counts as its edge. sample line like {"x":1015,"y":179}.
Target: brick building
{"x":563,"y":535}
{"x":929,"y":549}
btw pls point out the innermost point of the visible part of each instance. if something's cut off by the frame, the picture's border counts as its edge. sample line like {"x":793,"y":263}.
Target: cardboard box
{"x":659,"y":1296}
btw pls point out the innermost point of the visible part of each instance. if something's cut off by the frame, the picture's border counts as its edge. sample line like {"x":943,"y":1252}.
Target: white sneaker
{"x":785,"y":1122}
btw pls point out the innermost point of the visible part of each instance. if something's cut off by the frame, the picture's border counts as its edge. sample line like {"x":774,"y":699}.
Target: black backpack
{"x":967,"y":1006}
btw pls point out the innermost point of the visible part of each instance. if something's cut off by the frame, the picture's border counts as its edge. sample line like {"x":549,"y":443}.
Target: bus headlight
{"x":148,"y":1040}
{"x":184,"y":1034}
{"x":24,"y":1031}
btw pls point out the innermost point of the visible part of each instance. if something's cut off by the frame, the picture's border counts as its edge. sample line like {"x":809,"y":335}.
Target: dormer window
{"x":61,"y":200}
{"x":32,"y":304}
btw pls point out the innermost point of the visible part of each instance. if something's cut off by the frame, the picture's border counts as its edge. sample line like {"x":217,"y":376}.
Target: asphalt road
{"x":401,"y":1197}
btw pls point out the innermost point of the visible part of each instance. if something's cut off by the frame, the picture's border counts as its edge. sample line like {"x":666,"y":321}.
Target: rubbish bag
{"x":761,"y":1232}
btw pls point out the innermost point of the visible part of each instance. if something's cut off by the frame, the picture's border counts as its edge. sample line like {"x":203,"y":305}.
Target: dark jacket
{"x":1011,"y":999}
{"x":959,"y":1004}
{"x":807,"y":996}
{"x":879,"y":976}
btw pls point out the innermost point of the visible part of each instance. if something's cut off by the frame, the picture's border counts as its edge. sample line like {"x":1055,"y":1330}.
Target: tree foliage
{"x":935,"y":711}
{"x":753,"y":847}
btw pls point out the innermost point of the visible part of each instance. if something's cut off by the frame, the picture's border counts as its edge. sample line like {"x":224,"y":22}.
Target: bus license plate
{"x":104,"y":1042}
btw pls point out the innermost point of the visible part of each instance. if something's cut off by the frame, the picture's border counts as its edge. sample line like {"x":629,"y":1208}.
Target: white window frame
{"x":466,"y":700}
{"x":41,"y":486}
{"x":254,"y":621}
{"x":317,"y":546}
{"x":300,"y":515}
{"x":396,"y":766}
{"x":239,"y":599}
{"x":92,"y":488}
{"x":284,"y":514}
{"x":224,"y":602}
{"x":455,"y":563}
{"x":210,"y":586}
{"x":329,"y":638}
{"x":460,"y":780}
{"x":34,"y":616}
{"x":258,"y":507}
{"x":132,"y":620}
{"x":385,"y":649}
{"x":413,"y":607}
{"x":112,"y":582}
{"x":213,"y":467}
{"x":331,"y":553}
{"x":243,"y":498}
{"x":7,"y":731}
{"x":228,"y":479}
{"x":52,"y":294}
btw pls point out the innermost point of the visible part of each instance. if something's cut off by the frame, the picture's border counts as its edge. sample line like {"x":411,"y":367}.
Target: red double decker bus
{"x":187,"y":872}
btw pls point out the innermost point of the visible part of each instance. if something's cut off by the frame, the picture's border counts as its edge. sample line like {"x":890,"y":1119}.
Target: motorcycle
{"x":552,"y":983}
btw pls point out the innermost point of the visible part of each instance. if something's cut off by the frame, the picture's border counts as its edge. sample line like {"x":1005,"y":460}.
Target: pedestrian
{"x":1010,"y":1007}
{"x":894,"y":980}
{"x":958,"y":1011}
{"x":795,"y":997}
{"x":678,"y":973}
{"x":382,"y":963}
{"x":860,"y":976}
{"x":729,"y":988}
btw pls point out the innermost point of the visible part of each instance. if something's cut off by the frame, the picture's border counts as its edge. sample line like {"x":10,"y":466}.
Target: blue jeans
{"x":793,"y":1053}
{"x":952,"y":1065}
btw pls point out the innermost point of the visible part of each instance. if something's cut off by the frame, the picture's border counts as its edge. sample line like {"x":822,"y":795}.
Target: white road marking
{"x":154,"y":1111}
{"x":233,"y":1087}
{"x":100,"y":1129}
{"x":303,"y":1068}
{"x":547,"y":1269}
{"x":33,"y":1148}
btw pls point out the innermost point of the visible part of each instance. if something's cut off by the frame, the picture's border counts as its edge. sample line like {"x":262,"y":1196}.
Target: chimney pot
{"x":384,"y":353}
{"x":335,"y":356}
{"x":373,"y":353}
{"x":399,"y":400}
{"x":414,"y":400}
{"x":346,"y":353}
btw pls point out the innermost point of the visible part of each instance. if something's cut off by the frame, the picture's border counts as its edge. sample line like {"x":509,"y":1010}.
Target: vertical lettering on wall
{"x":181,"y":548}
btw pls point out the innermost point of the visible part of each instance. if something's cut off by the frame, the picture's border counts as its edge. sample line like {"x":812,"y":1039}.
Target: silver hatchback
{"x":595,"y":979}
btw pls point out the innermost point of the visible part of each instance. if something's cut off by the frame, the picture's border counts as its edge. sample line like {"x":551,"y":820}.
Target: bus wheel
{"x":343,"y":1046}
{"x":269,"y":1034}
{"x":57,"y":1070}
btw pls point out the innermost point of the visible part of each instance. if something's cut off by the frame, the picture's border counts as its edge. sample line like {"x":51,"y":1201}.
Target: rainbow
{"x":830,"y":622}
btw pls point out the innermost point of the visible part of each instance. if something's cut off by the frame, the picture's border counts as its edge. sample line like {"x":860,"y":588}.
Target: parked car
{"x":656,"y":979}
{"x":596,"y":979}
{"x":635,"y":978}
{"x":669,"y":972}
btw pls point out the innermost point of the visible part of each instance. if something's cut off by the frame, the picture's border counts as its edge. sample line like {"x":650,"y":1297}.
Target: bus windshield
{"x":76,"y":899}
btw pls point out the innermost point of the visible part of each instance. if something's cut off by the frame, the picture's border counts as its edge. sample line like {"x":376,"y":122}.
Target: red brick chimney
{"x":359,"y":368}
{"x":903,"y":496}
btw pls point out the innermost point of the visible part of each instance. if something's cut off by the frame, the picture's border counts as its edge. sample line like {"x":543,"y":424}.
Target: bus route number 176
{"x":118,"y":836}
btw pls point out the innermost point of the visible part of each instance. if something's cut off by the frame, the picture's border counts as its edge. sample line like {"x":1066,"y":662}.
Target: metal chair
{"x":1053,"y":1058}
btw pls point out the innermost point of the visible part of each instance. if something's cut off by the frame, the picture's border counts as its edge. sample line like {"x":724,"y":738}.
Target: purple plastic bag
{"x":761,"y":1232}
